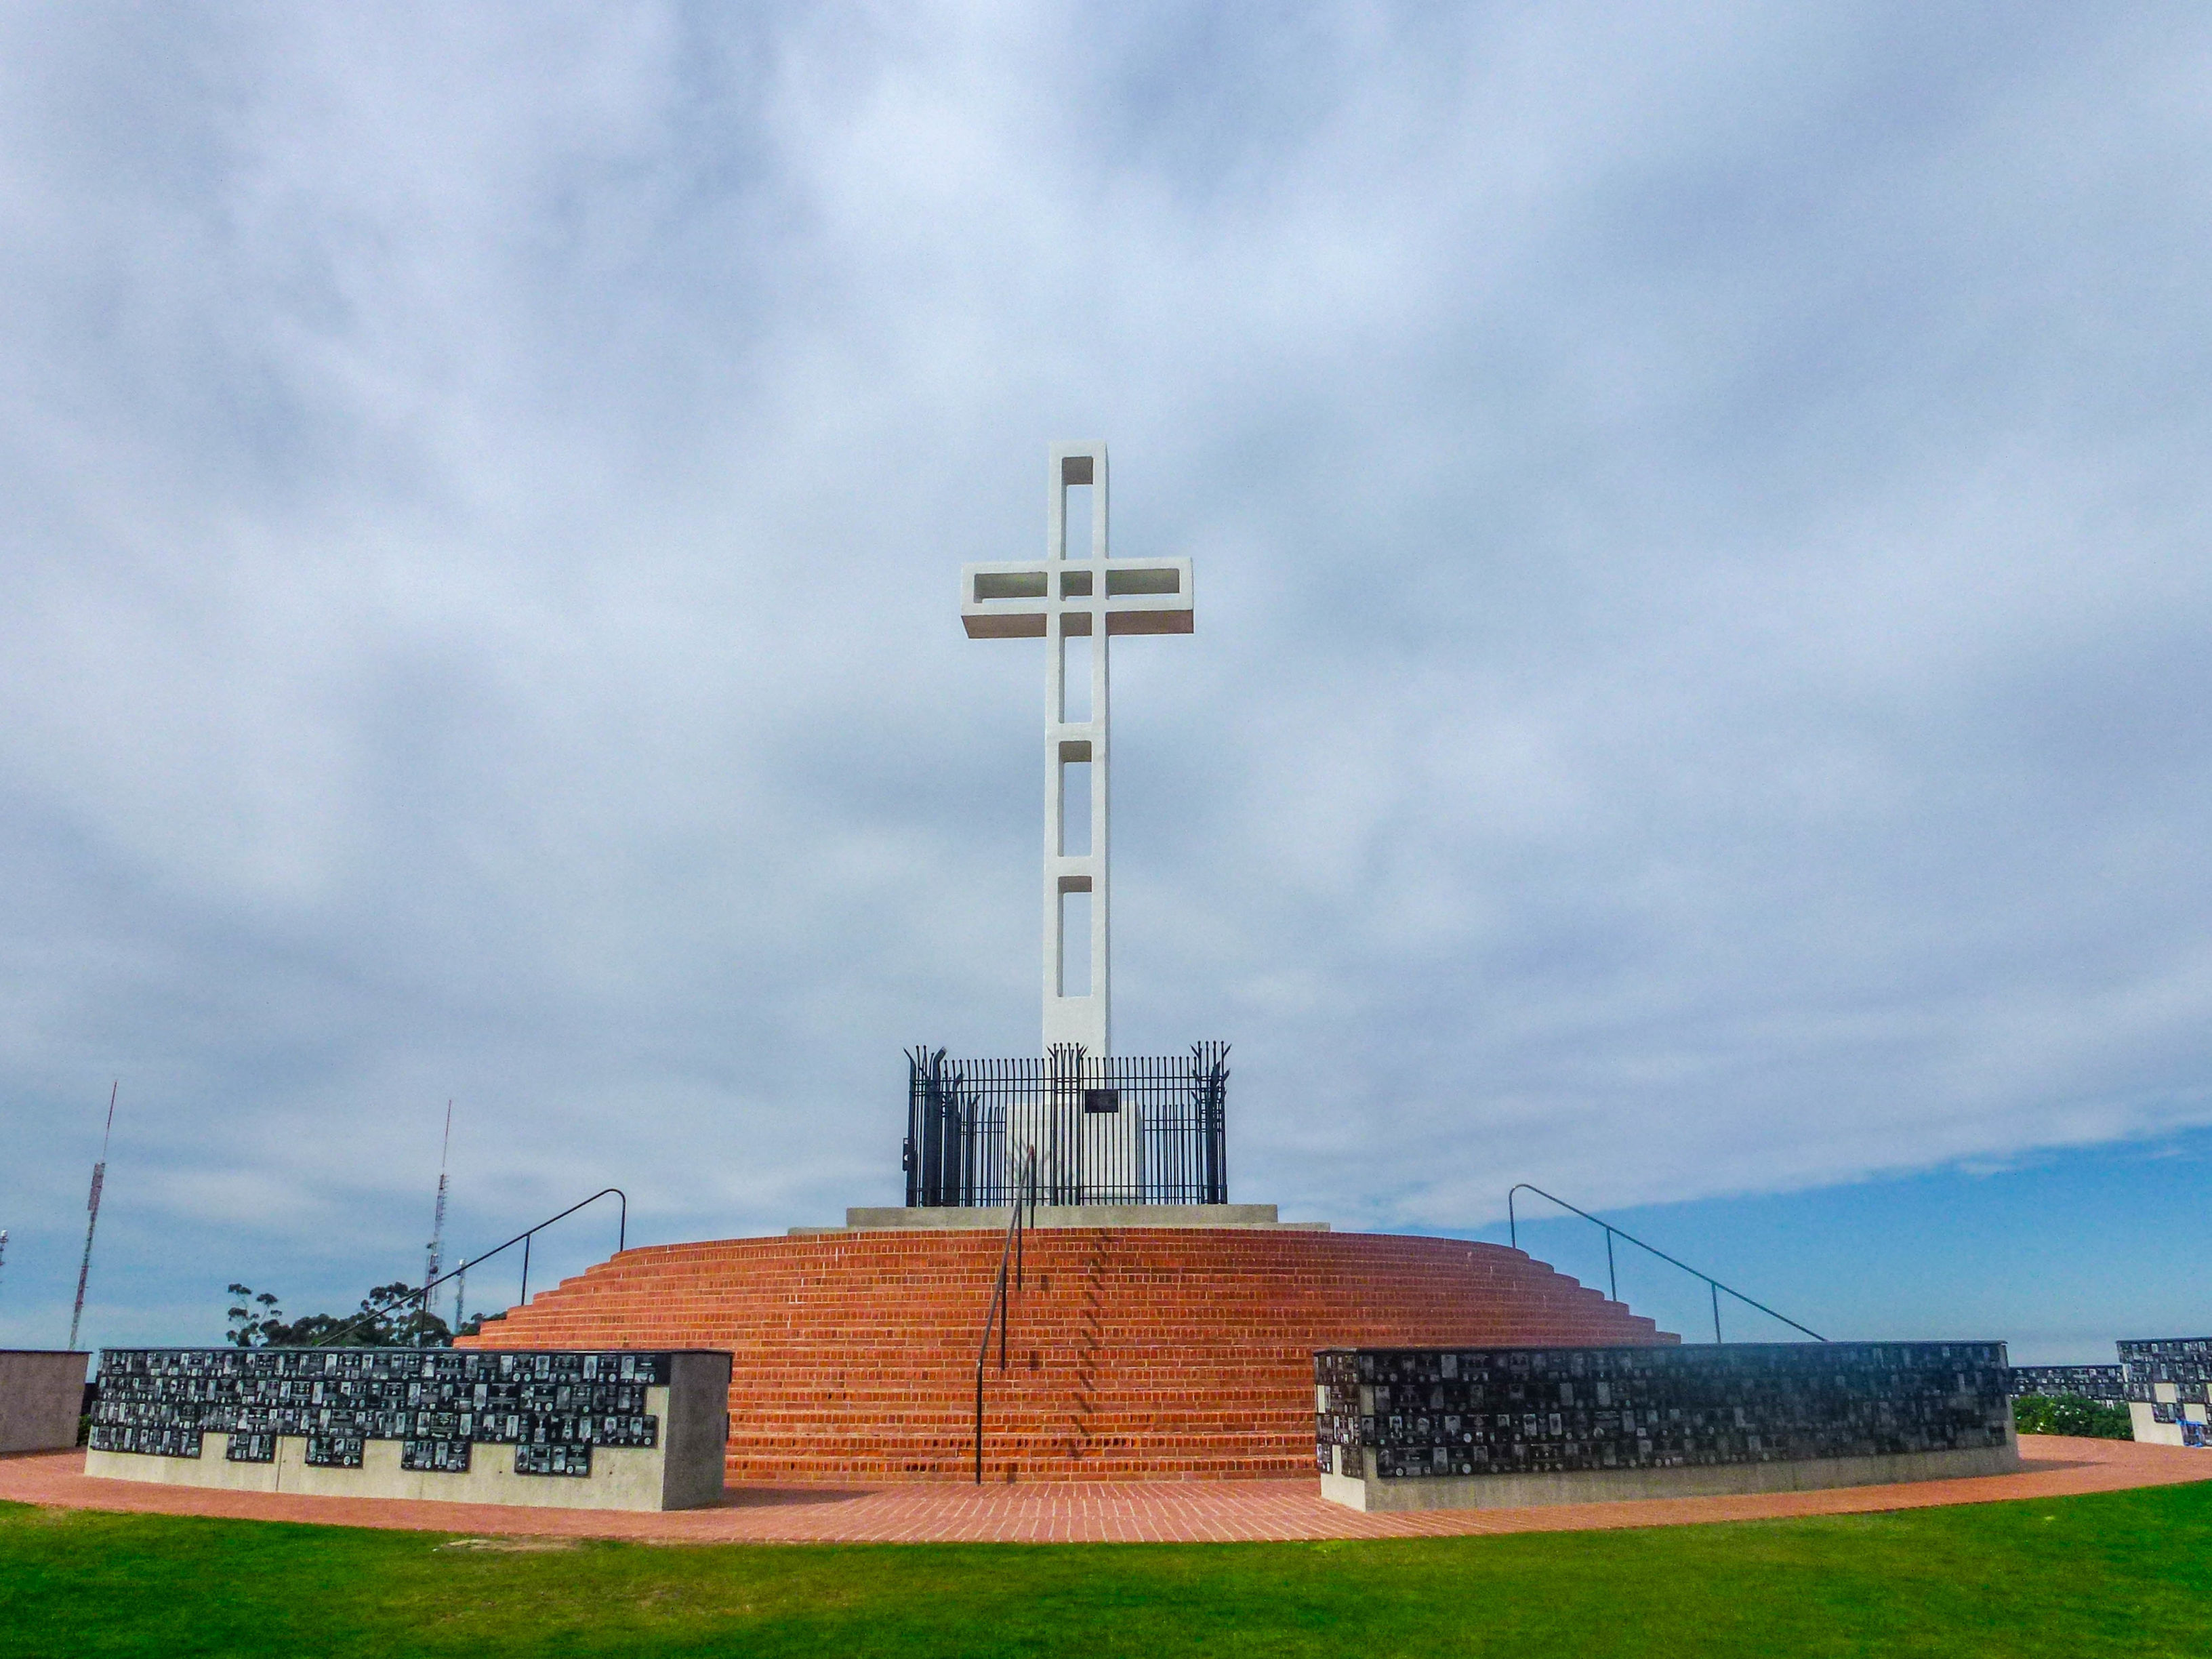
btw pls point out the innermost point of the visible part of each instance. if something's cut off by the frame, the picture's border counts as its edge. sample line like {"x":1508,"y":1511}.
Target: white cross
{"x":1087,"y":598}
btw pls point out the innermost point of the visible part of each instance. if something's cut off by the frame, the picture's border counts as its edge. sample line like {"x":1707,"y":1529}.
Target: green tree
{"x":249,"y":1328}
{"x":390,"y":1316}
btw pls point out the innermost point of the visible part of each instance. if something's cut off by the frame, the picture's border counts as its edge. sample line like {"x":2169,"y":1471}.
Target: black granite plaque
{"x":334,"y":1451}
{"x":439,"y":1456}
{"x":570,"y":1460}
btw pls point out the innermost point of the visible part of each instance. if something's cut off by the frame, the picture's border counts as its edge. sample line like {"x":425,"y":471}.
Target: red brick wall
{"x":1133,"y":1352}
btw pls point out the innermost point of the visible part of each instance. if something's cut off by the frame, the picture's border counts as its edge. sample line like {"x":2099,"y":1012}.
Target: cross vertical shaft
{"x":1076,"y":602}
{"x":1077,"y":991}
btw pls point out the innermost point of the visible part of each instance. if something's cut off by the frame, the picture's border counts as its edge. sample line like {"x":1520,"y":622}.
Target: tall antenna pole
{"x":438,"y":1217}
{"x":99,"y":1175}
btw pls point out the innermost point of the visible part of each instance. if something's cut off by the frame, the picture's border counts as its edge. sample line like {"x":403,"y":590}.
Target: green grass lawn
{"x":2123,"y":1573}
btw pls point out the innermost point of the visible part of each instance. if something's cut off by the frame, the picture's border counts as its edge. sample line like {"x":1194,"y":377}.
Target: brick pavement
{"x":1192,"y":1511}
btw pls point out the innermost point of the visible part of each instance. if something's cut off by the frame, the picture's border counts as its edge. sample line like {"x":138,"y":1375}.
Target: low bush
{"x":2070,"y":1414}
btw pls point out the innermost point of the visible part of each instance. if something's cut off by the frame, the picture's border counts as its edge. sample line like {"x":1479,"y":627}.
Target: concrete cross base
{"x":995,"y":1217}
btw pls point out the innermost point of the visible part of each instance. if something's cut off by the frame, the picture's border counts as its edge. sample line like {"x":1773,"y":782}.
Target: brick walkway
{"x":1101,"y":1512}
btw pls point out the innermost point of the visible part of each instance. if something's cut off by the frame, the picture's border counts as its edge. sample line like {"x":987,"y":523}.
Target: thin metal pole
{"x":1717,"y":1308}
{"x":92,"y":1204}
{"x":524,"y":1300}
{"x":438,"y":1215}
{"x":1612,"y":1278}
{"x":1512,"y":1226}
{"x":979,"y":1425}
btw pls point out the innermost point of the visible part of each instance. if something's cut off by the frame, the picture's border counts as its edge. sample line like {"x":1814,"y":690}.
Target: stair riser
{"x":1134,"y":1353}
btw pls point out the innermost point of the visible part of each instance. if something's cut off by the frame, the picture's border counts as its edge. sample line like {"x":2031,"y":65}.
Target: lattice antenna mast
{"x":438,"y":1216}
{"x":92,"y":1204}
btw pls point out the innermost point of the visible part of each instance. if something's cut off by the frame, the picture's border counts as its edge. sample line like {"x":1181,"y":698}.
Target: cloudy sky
{"x":1698,"y":698}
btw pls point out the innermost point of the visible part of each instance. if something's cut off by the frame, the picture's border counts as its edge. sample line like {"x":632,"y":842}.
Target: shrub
{"x":2071,"y":1413}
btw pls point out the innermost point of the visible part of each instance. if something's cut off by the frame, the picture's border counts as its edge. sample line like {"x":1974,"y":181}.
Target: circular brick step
{"x":1132,"y":1352}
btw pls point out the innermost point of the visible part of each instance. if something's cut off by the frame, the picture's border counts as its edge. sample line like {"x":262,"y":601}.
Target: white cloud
{"x":1699,"y":532}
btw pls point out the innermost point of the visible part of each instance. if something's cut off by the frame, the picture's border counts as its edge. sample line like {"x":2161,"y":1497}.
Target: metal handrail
{"x":996,"y":1314}
{"x":1612,"y":1281}
{"x":423,"y":1295}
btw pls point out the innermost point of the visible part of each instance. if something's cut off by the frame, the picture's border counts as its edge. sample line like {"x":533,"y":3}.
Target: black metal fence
{"x":1119,"y":1129}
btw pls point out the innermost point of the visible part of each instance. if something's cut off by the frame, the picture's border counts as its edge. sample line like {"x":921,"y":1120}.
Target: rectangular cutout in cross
{"x":1156,"y":578}
{"x":1075,"y":674}
{"x":1009,"y":585}
{"x":1076,"y":506}
{"x":1075,"y":802}
{"x":1074,"y":936}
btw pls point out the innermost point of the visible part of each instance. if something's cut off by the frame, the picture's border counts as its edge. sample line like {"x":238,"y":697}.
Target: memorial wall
{"x":2169,"y":1387}
{"x":1482,"y":1428}
{"x":581,"y":1429}
{"x":2105,"y":1382}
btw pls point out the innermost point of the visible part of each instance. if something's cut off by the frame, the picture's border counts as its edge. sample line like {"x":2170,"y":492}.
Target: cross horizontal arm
{"x":1017,"y":600}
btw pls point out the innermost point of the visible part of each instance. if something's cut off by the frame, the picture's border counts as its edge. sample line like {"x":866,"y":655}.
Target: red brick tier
{"x":1134,"y":1353}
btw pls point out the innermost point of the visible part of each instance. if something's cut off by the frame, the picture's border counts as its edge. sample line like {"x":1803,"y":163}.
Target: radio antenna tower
{"x":438,"y":1216}
{"x":99,"y":1175}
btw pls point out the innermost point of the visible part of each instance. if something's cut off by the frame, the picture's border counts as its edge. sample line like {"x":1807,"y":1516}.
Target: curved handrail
{"x":423,"y":1295}
{"x":998,"y":1313}
{"x":1613,"y":1283}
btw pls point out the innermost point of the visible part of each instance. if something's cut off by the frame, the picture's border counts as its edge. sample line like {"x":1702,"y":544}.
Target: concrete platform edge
{"x":995,"y":1217}
{"x":1519,"y":1491}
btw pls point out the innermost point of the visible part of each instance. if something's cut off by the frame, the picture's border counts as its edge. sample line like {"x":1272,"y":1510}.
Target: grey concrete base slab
{"x":995,"y":1217}
{"x":1521,"y":1491}
{"x":41,"y":1397}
